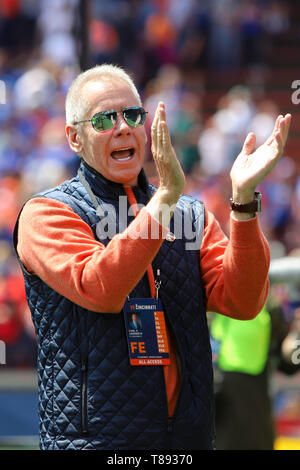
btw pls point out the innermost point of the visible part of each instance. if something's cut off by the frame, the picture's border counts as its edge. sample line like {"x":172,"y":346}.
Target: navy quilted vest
{"x":89,"y":395}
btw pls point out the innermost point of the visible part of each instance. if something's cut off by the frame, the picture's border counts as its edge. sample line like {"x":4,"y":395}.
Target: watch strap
{"x":250,"y":207}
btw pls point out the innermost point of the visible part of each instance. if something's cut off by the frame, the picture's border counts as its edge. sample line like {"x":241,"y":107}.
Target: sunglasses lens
{"x":135,"y":116}
{"x":104,"y":121}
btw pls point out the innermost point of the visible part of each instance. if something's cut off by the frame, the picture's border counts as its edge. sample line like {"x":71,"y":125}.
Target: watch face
{"x":258,"y":201}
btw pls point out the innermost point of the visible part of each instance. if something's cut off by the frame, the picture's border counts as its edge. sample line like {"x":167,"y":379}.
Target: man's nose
{"x":122,"y":127}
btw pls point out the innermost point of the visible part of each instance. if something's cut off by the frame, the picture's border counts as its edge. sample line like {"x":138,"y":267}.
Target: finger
{"x":282,"y":129}
{"x":282,"y":125}
{"x":277,"y":128}
{"x":286,"y":127}
{"x":278,"y":139}
{"x":163,"y":135}
{"x":249,"y":143}
{"x":159,"y":155}
{"x":154,"y":130}
{"x":277,"y":124}
{"x":162,"y":111}
{"x":160,"y":144}
{"x":161,"y":116}
{"x":166,"y":137}
{"x":277,"y":145}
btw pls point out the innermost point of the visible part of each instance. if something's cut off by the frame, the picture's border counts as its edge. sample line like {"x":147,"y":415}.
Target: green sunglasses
{"x":106,"y":120}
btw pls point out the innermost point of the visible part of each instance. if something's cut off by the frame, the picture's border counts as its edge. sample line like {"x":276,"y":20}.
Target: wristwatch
{"x":250,"y":207}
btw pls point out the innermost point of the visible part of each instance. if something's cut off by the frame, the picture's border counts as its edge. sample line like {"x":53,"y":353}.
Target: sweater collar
{"x":102,"y":186}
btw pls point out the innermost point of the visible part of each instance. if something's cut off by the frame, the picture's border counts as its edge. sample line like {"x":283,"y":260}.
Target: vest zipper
{"x":84,"y":417}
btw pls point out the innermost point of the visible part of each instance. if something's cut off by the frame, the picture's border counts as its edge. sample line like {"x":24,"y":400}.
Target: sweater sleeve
{"x":235,"y":271}
{"x":58,"y":246}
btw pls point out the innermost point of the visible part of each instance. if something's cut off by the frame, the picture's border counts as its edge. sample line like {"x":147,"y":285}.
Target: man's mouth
{"x":123,"y":155}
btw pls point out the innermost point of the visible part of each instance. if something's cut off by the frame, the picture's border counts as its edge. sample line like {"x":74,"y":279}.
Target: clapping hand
{"x":171,"y":175}
{"x":252,"y":166}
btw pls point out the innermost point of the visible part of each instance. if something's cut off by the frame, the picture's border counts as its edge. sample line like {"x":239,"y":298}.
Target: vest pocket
{"x":84,"y":411}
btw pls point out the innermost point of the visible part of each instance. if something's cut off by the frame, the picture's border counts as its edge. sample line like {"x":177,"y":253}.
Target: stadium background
{"x":223,"y":67}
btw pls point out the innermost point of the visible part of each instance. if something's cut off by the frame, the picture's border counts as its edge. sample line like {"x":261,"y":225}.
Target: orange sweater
{"x":59,"y":247}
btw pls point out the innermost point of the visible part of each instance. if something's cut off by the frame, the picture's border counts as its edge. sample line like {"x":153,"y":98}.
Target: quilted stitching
{"x":126,"y":405}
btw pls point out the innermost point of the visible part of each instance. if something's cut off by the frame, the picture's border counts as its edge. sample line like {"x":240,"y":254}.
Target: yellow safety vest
{"x":244,"y":345}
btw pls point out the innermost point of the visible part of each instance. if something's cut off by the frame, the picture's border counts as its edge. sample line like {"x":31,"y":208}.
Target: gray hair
{"x":75,"y":106}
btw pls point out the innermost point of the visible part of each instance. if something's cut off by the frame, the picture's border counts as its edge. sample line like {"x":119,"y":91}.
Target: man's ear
{"x":74,"y":138}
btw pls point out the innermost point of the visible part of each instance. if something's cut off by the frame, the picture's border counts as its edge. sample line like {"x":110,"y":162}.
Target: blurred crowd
{"x":167,"y":45}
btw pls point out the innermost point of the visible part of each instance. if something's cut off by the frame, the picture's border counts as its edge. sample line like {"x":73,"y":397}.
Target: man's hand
{"x":171,"y":175}
{"x":251,"y":167}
